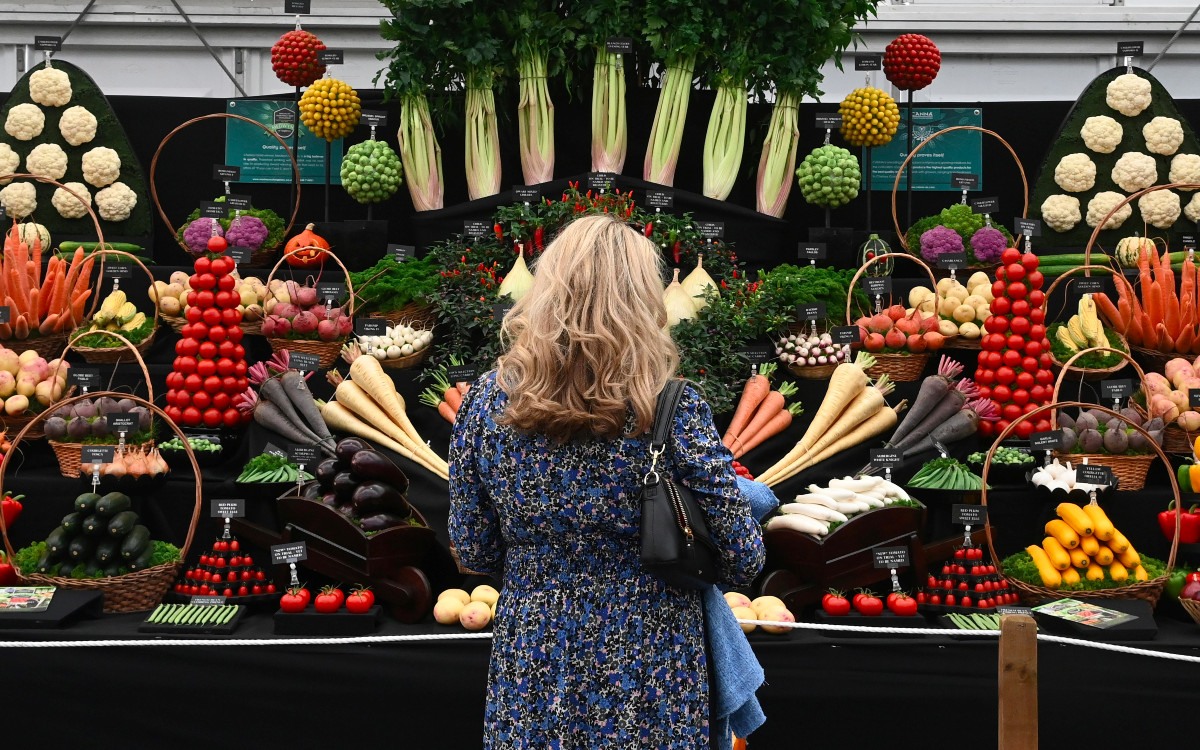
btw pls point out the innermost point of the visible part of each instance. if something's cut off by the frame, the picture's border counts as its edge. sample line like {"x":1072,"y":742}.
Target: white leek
{"x":725,"y":141}
{"x":610,"y":134}
{"x":482,"y":139}
{"x":535,"y":115}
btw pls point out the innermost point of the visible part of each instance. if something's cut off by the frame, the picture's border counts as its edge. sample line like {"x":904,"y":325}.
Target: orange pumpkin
{"x":311,"y":249}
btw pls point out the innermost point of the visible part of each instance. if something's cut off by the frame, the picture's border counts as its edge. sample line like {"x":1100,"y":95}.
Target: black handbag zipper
{"x":680,"y":511}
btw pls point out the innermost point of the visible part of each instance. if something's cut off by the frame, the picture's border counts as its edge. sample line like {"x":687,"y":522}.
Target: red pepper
{"x":1189,"y":524}
{"x":538,"y":235}
{"x":8,"y":574}
{"x":11,"y":508}
{"x":649,"y":228}
{"x":499,"y":231}
{"x":677,"y":250}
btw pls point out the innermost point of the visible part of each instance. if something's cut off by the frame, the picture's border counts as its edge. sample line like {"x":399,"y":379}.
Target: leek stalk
{"x":535,"y":115}
{"x":777,"y":165}
{"x":420,"y":153}
{"x":482,"y":139}
{"x":610,"y":134}
{"x":666,"y":134}
{"x":725,"y":141}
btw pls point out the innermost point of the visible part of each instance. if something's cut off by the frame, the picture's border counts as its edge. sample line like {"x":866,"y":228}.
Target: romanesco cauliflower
{"x":19,"y":199}
{"x":1103,"y":202}
{"x":9,"y":161}
{"x":961,"y":219}
{"x":1075,"y":173}
{"x":1135,"y":171}
{"x":70,"y":207}
{"x":1163,"y":135}
{"x":47,"y":160}
{"x":25,"y":122}
{"x":1129,"y":94}
{"x":940,"y":240}
{"x":101,"y":166}
{"x":1102,"y":134}
{"x":50,"y":87}
{"x":77,"y":125}
{"x":116,"y":202}
{"x":1061,"y":212}
{"x":1160,"y":208}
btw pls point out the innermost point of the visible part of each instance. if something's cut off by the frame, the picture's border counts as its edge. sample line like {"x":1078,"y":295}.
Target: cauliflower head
{"x":1102,"y":134}
{"x":50,"y":87}
{"x":1163,"y":135}
{"x":197,"y":234}
{"x":1061,"y":212}
{"x":1129,"y":94}
{"x":1135,"y":171}
{"x":25,"y":122}
{"x":77,"y":125}
{"x":19,"y":199}
{"x":1160,"y":208}
{"x":940,"y":240}
{"x":116,"y":202}
{"x":70,"y":207}
{"x":9,"y":161}
{"x":101,"y":166}
{"x":1192,"y":209}
{"x":988,"y":244}
{"x":1075,"y":173}
{"x":47,"y":160}
{"x":1103,"y":202}
{"x":1185,"y":168}
{"x":246,"y":231}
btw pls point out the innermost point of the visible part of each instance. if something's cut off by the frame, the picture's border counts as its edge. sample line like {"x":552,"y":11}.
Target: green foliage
{"x":273,"y":221}
{"x":26,"y":560}
{"x":958,"y":217}
{"x":390,"y":285}
{"x":104,"y":341}
{"x":803,"y":34}
{"x":793,"y":286}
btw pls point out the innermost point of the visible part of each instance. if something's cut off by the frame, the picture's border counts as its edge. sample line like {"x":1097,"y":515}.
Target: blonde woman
{"x":588,"y":651}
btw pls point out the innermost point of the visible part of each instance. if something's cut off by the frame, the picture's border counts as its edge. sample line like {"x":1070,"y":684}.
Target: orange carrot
{"x":1187,"y":337}
{"x":84,"y":282}
{"x":453,"y":398}
{"x":37,"y":260}
{"x":1154,"y":303}
{"x":1115,"y":318}
{"x":47,"y":294}
{"x":1165,"y":342}
{"x":767,"y":410}
{"x":776,"y":425}
{"x":34,"y":301}
{"x":756,"y":390}
{"x":1171,"y":312}
{"x":49,"y":324}
{"x":447,"y":412}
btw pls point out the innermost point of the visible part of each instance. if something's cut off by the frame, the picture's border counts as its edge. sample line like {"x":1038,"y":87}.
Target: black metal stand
{"x":370,"y":212}
{"x":827,"y":218}
{"x":295,"y":144}
{"x":867,"y":174}
{"x":909,"y":169}
{"x":328,"y":160}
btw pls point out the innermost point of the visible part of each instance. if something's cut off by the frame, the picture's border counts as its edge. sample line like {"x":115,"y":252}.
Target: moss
{"x":1021,"y":567}
{"x":1095,"y":361}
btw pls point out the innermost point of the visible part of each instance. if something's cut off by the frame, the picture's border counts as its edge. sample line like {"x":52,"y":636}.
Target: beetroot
{"x":305,"y":297}
{"x":285,"y":310}
{"x":305,"y":322}
{"x":327,"y":330}
{"x":283,"y":326}
{"x":319,"y":311}
{"x":345,"y":326}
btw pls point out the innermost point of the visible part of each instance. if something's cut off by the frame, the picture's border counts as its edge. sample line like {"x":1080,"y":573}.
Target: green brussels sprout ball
{"x":829,"y":176}
{"x":371,"y":172}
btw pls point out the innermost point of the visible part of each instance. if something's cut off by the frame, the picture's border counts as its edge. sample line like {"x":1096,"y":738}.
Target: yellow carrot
{"x":340,"y":418}
{"x":882,"y":421}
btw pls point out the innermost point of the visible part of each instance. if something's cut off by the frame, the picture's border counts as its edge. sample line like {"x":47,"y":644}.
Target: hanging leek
{"x":420,"y":153}
{"x":778,"y":161}
{"x":477,"y":53}
{"x":483,"y":140}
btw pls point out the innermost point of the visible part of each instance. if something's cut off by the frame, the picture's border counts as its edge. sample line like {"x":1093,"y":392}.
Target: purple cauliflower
{"x":989,"y":244}
{"x":197,"y":234}
{"x":247,"y":231}
{"x":940,"y":240}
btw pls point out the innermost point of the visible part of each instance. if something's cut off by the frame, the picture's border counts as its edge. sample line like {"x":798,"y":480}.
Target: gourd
{"x":311,"y":246}
{"x":695,"y":284}
{"x":516,"y":284}
{"x":679,"y":305}
{"x":1130,"y":249}
{"x":871,"y":249}
{"x":28,"y":230}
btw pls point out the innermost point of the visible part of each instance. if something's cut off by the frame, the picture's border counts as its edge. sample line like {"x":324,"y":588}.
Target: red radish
{"x":880,"y":324}
{"x":874,"y":342}
{"x":895,"y":339}
{"x":934,"y":340}
{"x":896,"y":312}
{"x":916,"y":343}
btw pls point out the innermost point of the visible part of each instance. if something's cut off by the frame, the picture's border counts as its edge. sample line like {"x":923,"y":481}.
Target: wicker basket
{"x":262,"y":255}
{"x":132,"y":592}
{"x":109,"y":355}
{"x":1149,"y":590}
{"x":812,"y":372}
{"x":327,"y":351}
{"x":1192,"y":607}
{"x":403,"y":363}
{"x":1092,"y":374}
{"x":902,"y":368}
{"x":1078,"y":372}
{"x":1150,"y":359}
{"x":46,"y":346}
{"x":415,"y":315}
{"x":177,"y":322}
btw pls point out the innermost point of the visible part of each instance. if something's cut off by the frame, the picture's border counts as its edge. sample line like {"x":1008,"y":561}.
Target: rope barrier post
{"x":1018,"y":683}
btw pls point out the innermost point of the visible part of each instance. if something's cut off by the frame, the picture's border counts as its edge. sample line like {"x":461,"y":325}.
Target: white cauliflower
{"x":19,"y":199}
{"x":1101,"y":204}
{"x":1129,"y":94}
{"x":77,"y":125}
{"x":1192,"y":210}
{"x":101,"y":166}
{"x":1185,"y":168}
{"x":25,"y":122}
{"x":1163,"y":135}
{"x":1075,"y":173}
{"x":9,"y":161}
{"x":1061,"y":212}
{"x":1160,"y":208}
{"x":47,"y":160}
{"x":70,"y":207}
{"x":1102,"y":134}
{"x":116,"y":202}
{"x":1135,"y":171}
{"x":50,"y":87}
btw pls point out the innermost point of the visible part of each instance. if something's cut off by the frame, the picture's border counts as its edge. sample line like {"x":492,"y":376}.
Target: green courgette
{"x":45,"y":563}
{"x":86,"y":503}
{"x":72,"y":522}
{"x":94,"y":525}
{"x":114,"y":570}
{"x":56,"y":543}
{"x":108,"y":551}
{"x":112,"y":504}
{"x":143,"y":560}
{"x":81,"y":549}
{"x":135,"y":543}
{"x":122,"y":523}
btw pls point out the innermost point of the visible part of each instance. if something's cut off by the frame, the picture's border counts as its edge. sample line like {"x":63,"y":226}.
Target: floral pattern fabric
{"x":587,"y":650}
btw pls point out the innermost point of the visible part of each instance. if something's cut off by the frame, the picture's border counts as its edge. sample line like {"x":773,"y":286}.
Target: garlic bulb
{"x":516,"y":284}
{"x":696,"y":282}
{"x":680,"y":305}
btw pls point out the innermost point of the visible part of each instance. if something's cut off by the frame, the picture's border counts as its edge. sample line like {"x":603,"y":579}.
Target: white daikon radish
{"x":797,"y":522}
{"x":812,"y":510}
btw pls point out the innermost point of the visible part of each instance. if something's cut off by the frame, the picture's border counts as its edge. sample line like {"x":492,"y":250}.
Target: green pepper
{"x":1175,"y":583}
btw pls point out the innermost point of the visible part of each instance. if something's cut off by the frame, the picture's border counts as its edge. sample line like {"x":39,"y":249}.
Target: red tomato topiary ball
{"x":911,"y":62}
{"x":294,"y":58}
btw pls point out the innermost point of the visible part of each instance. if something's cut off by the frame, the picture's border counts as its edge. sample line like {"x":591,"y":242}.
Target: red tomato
{"x":998,"y":289}
{"x":211,"y":316}
{"x":174,"y":413}
{"x":226,"y":283}
{"x":994,"y":360}
{"x":1033,"y":348}
{"x":996,"y":324}
{"x":1035,"y":279}
{"x":234,"y":334}
{"x":984,"y":376}
{"x":239,"y":367}
{"x":327,"y":602}
{"x":222,"y":299}
{"x":1024,"y":429}
{"x":1001,"y":306}
{"x":221,"y":401}
{"x":239,"y":351}
{"x":1037,"y":315}
{"x":1017,"y":290}
{"x":1037,"y":332}
{"x":191,"y":416}
{"x":231,"y":417}
{"x":1019,"y":325}
{"x":1001,"y":394}
{"x":206,"y":367}
{"x":201,"y":400}
{"x":204,"y":298}
{"x":193,"y":382}
{"x":904,"y":605}
{"x":985,"y":391}
{"x":1025,"y":380}
{"x":231,"y":317}
{"x":175,"y":378}
{"x":224,"y":366}
{"x":183,"y":366}
{"x":187,"y":347}
{"x":1020,"y":308}
{"x":1045,"y":377}
{"x":1015,"y":342}
{"x":1000,"y":426}
{"x":1038,"y":393}
{"x":1010,"y":255}
{"x":225,"y":348}
{"x":357,"y":603}
{"x":202,"y":264}
{"x":222,"y":266}
{"x":1020,"y":396}
{"x":1011,"y":411}
{"x":985,"y":428}
{"x":1030,"y":364}
{"x":198,"y":331}
{"x":217,"y":334}
{"x":950,"y":600}
{"x":1042,"y":425}
{"x":1029,"y":261}
{"x":242,"y":384}
{"x":293,"y":601}
{"x":1012,"y":358}
{"x":1027,"y":408}
{"x":212,"y":417}
{"x":1044,"y":359}
{"x":212,"y":384}
{"x":208,"y":350}
{"x":1037,"y":298}
{"x":870,"y":605}
{"x":204,"y":281}
{"x":193,"y":297}
{"x":1005,"y":376}
{"x":1014,"y":272}
{"x":194,"y":315}
{"x":229,"y":384}
{"x":836,"y":605}
{"x":1000,"y":274}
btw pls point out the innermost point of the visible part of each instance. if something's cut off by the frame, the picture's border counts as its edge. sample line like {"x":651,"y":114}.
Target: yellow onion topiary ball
{"x":330,"y":108}
{"x":869,"y":117}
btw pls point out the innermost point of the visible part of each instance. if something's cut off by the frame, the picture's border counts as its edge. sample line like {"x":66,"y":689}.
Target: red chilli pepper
{"x":538,"y":235}
{"x":649,"y":228}
{"x":677,"y":250}
{"x":499,"y":231}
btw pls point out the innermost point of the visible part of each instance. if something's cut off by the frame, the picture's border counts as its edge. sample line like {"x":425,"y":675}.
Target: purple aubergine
{"x":325,"y":472}
{"x":345,"y":450}
{"x":381,"y":521}
{"x":371,"y":464}
{"x":344,"y":486}
{"x":377,"y":497}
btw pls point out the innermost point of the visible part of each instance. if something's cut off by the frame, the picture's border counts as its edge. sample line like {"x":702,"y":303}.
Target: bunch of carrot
{"x":761,"y":412}
{"x":48,"y":305}
{"x":853,"y":411}
{"x":1161,"y":320}
{"x":444,"y":396}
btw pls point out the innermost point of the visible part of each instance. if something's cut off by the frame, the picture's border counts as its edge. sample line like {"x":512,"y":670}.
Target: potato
{"x":475,"y":616}
{"x":969,"y":331}
{"x":737,"y":600}
{"x":157,"y":291}
{"x":974,"y":300}
{"x":948,"y":305}
{"x":180,"y":278}
{"x":957,"y":290}
{"x":947,"y":327}
{"x":979,"y":278}
{"x":447,"y":610}
{"x":745,"y":613}
{"x":174,"y":290}
{"x":764,"y":601}
{"x":917,"y":295}
{"x":169,"y":306}
{"x":943,"y":286}
{"x":777,"y":614}
{"x":985,"y":292}
{"x":964,"y":314}
{"x":929,"y":305}
{"x":458,"y":594}
{"x":485,"y":594}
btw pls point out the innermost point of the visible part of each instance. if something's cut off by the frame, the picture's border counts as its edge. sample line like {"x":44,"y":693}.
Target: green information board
{"x":261,"y":157}
{"x":960,"y":151}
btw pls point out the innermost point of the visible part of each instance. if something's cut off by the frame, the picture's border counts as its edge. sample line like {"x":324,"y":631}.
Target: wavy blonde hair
{"x":588,"y":341}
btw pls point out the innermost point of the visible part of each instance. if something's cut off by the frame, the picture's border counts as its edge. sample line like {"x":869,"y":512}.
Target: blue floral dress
{"x":587,"y":650}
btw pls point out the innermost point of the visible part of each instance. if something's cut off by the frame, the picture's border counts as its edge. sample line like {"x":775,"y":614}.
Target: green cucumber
{"x":122,"y":523}
{"x":73,"y":522}
{"x":86,"y":503}
{"x":57,"y":541}
{"x":94,"y":525}
{"x":112,"y":504}
{"x":128,"y":247}
{"x":81,"y":548}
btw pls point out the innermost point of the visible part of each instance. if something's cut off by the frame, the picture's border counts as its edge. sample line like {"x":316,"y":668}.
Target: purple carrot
{"x":954,"y":400}
{"x":933,"y":389}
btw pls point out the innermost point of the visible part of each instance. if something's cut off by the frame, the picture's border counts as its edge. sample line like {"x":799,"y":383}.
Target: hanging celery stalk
{"x":610,"y":136}
{"x":483,"y":141}
{"x":739,"y":68}
{"x":420,"y":153}
{"x":666,"y":134}
{"x":778,"y":161}
{"x":476,"y":51}
{"x":535,"y":113}
{"x":725,"y":140}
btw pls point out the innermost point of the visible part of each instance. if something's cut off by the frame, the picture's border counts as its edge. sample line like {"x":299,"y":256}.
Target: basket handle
{"x":1067,"y":366}
{"x":987,"y":464}
{"x":1087,"y":251}
{"x":858,"y":274}
{"x":125,"y":342}
{"x":187,"y":543}
{"x":896,"y":185}
{"x":329,"y":253}
{"x":102,"y":251}
{"x":218,"y":115}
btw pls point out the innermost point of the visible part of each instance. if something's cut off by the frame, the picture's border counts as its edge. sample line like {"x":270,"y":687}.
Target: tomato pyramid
{"x":1014,"y":364}
{"x":226,"y":570}
{"x":210,"y":363}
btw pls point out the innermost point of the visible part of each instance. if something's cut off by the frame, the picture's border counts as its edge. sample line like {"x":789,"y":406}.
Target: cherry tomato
{"x":226,"y":283}
{"x":1033,"y":348}
{"x":217,"y":244}
{"x":202,"y":264}
{"x":230,"y":417}
{"x":217,"y":334}
{"x":191,"y":416}
{"x":998,"y":289}
{"x":206,"y":367}
{"x":222,"y":300}
{"x":239,"y":351}
{"x":222,"y":266}
{"x":1000,"y":274}
{"x":207,"y":349}
{"x":197,"y":331}
{"x":1000,"y":426}
{"x":203,"y":281}
{"x":230,"y":316}
{"x":203,"y":298}
{"x":985,"y":376}
{"x":201,"y":400}
{"x":1020,"y":396}
{"x":229,"y":384}
{"x":175,"y":377}
{"x":193,"y":297}
{"x":1012,"y":358}
{"x":1035,"y":279}
{"x":1037,"y":332}
{"x":1025,"y":380}
{"x":836,"y":604}
{"x":1014,"y":272}
{"x":1019,"y":325}
{"x":1044,"y":359}
{"x":1014,"y":342}
{"x":211,"y":417}
{"x":234,"y":334}
{"x":1001,"y":393}
{"x":221,"y":401}
{"x":1001,"y":306}
{"x":985,"y":427}
{"x":1045,"y":377}
{"x":903,"y":605}
{"x":1020,"y":308}
{"x":242,"y":383}
{"x":1037,"y":298}
{"x":174,"y":413}
{"x":183,"y":366}
{"x":995,"y":360}
{"x":212,"y":316}
{"x":225,"y":348}
{"x":1024,"y":429}
{"x":1029,"y":261}
{"x":187,"y":347}
{"x":358,"y":602}
{"x":223,"y":366}
{"x":985,"y":391}
{"x":1037,"y":315}
{"x":1042,"y":425}
{"x":193,"y":382}
{"x":1010,"y":255}
{"x":212,"y":384}
{"x":996,"y":324}
{"x":239,"y":367}
{"x":1038,"y":394}
{"x":1011,"y":411}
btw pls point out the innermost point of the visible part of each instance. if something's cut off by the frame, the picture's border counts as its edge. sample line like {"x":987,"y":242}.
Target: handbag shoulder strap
{"x":664,"y":419}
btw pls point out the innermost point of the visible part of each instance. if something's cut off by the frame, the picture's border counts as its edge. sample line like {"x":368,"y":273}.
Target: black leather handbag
{"x":675,"y":545}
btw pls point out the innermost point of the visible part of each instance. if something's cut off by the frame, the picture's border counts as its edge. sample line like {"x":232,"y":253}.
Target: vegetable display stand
{"x":900,"y":367}
{"x":262,"y":255}
{"x":903,"y":234}
{"x":69,"y":454}
{"x":1090,"y":374}
{"x":326,"y":351}
{"x":132,"y":592}
{"x":403,"y":363}
{"x":113,"y":354}
{"x":386,"y":560}
{"x":1150,"y":590}
{"x":1131,"y":470}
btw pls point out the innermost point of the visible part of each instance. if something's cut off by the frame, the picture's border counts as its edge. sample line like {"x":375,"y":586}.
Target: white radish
{"x":828,"y":502}
{"x":797,"y":522}
{"x":870,"y":500}
{"x":851,"y":507}
{"x":894,"y":490}
{"x":855,"y":485}
{"x":812,"y":510}
{"x":836,"y":493}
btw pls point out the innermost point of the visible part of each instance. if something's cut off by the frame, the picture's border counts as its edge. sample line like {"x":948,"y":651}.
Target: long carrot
{"x":767,"y":410}
{"x":1117,"y":315}
{"x":452,"y":398}
{"x":776,"y":425}
{"x":369,"y":375}
{"x":882,"y":421}
{"x":1171,"y":313}
{"x":1154,"y":303}
{"x":756,"y":390}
